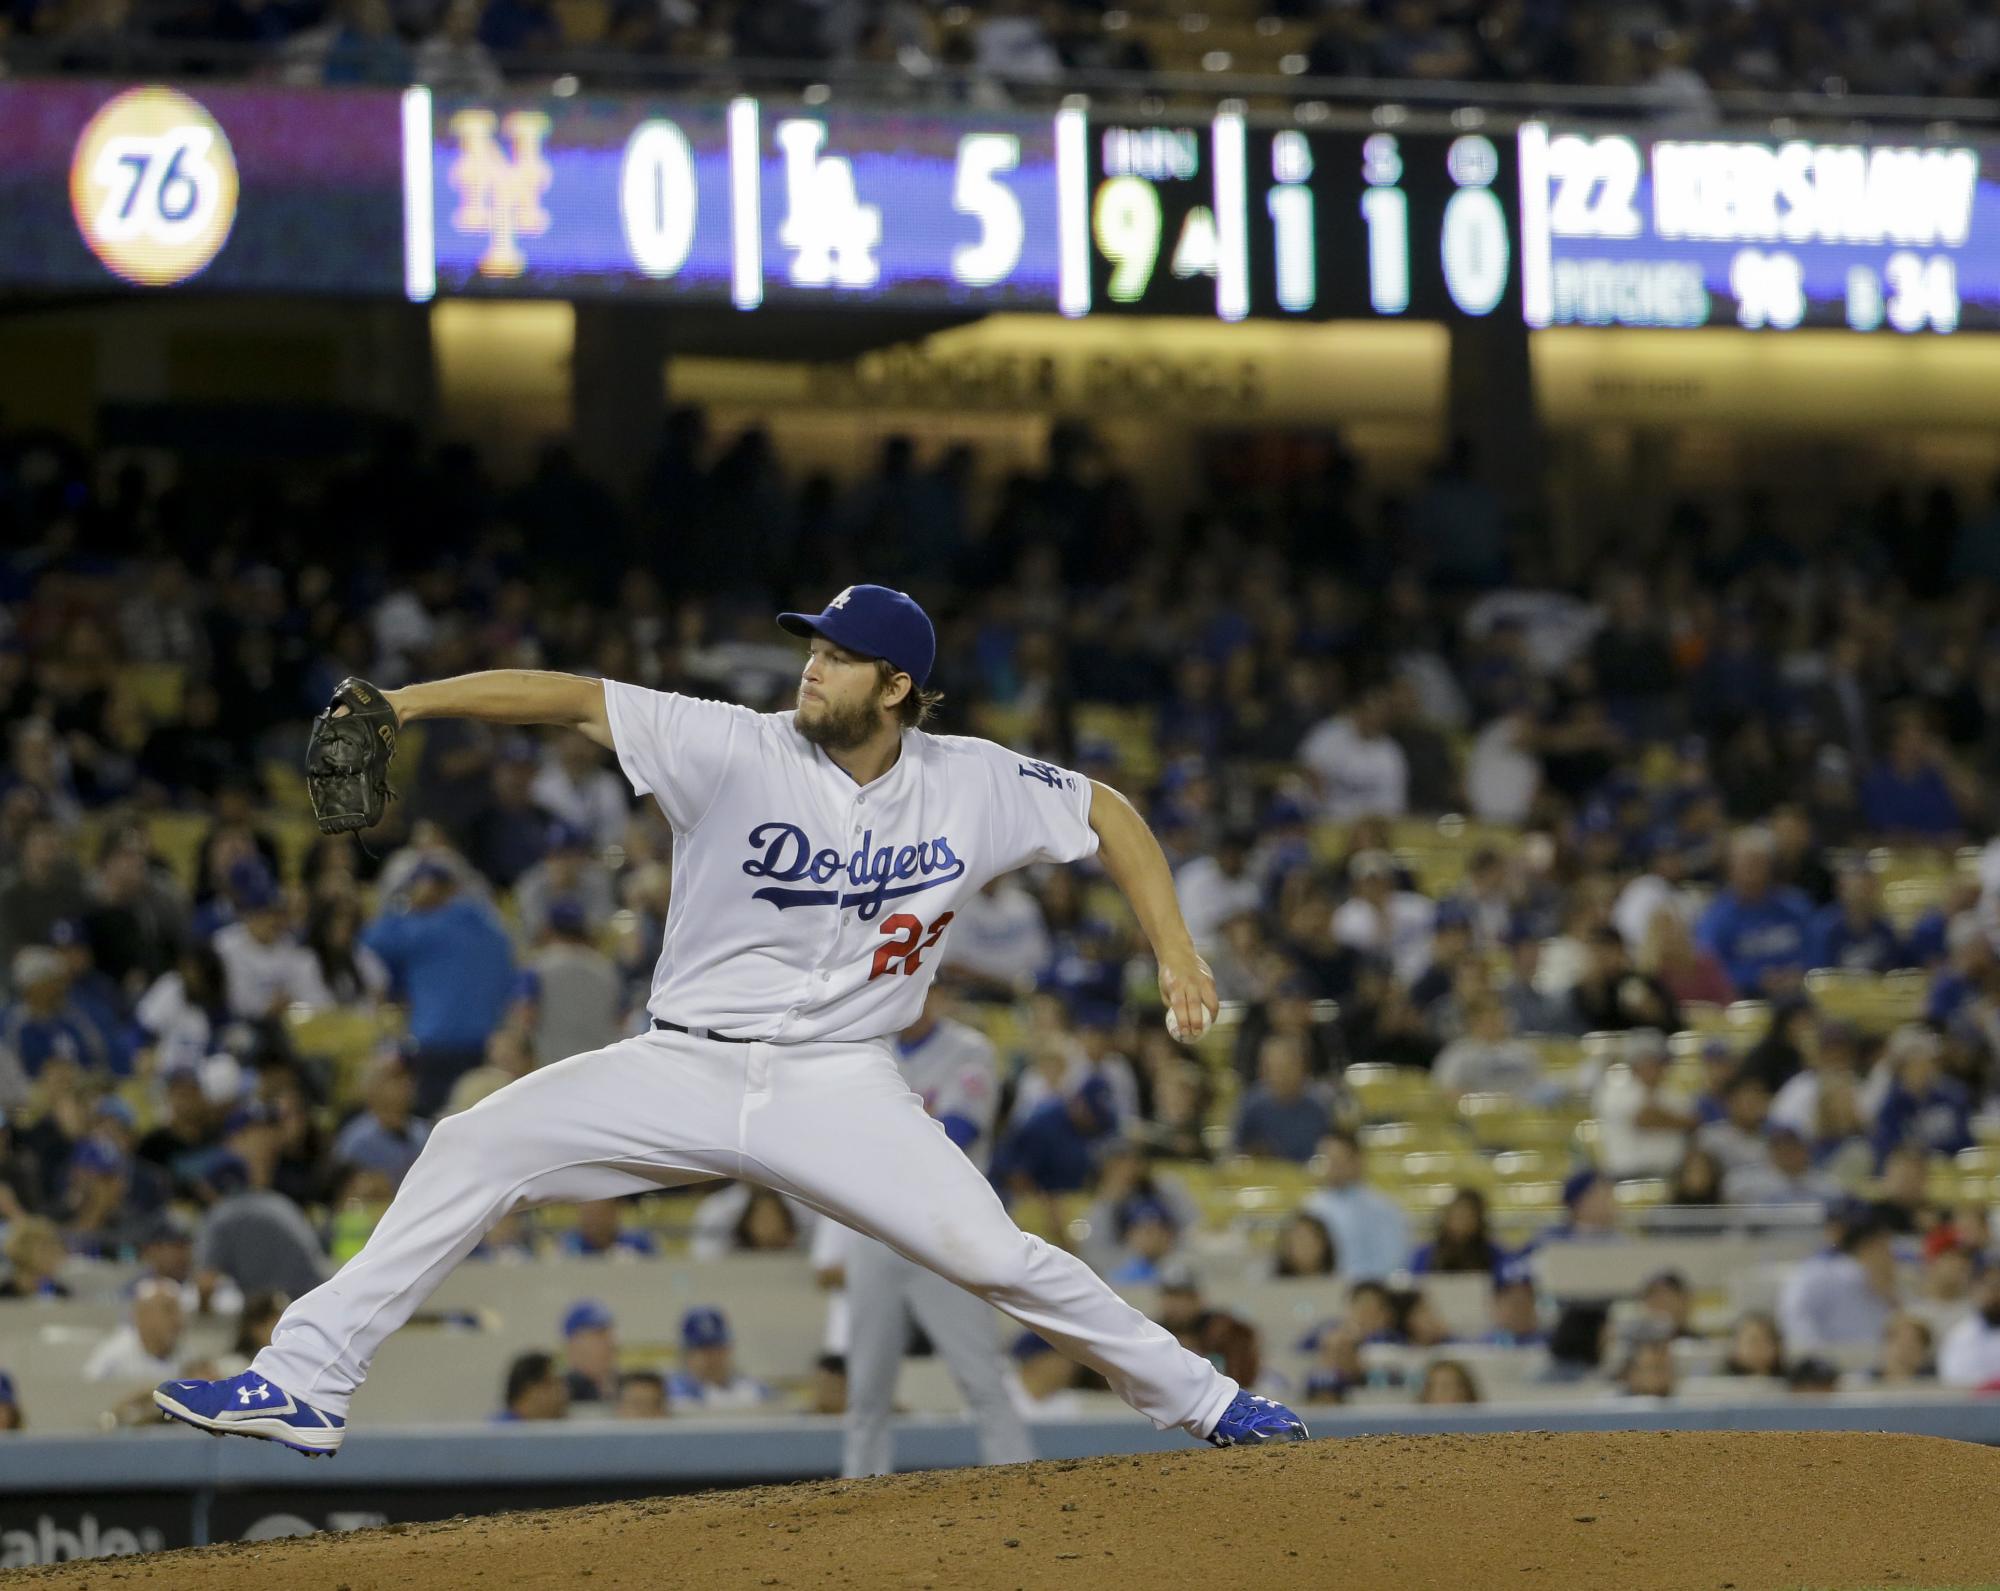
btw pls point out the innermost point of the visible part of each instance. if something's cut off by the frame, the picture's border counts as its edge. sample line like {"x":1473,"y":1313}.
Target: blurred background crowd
{"x":1552,"y":902}
{"x":1672,"y":55}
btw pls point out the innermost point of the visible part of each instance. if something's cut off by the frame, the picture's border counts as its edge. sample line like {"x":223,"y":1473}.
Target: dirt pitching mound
{"x":1634,"y":1511}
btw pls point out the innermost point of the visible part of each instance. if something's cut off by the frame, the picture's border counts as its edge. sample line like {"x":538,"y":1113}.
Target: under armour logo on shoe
{"x":261,"y":1393}
{"x":841,"y":600}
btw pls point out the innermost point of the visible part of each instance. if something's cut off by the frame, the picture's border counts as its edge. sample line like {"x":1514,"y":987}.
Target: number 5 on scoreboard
{"x":902,"y":946}
{"x":977,"y":191}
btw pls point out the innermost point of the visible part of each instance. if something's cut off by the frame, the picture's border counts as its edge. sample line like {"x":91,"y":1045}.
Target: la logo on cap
{"x":841,"y":600}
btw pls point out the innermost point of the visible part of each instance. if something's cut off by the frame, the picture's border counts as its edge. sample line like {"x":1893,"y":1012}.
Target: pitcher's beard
{"x":837,"y":729}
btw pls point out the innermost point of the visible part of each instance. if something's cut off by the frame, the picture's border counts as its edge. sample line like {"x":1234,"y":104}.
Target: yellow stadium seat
{"x":1403,"y":1137}
{"x":1516,"y":1197}
{"x":175,"y":838}
{"x":1641,"y":1193}
{"x":158,"y":688}
{"x":1704,"y":1017}
{"x":1749,"y":1018}
{"x":1423,"y":1198}
{"x":348,"y":1035}
{"x":1394,"y":1093}
{"x":1530,"y":1165}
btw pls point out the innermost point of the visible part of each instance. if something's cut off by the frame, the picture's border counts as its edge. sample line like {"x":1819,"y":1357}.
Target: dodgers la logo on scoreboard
{"x":153,"y":186}
{"x":789,"y":857}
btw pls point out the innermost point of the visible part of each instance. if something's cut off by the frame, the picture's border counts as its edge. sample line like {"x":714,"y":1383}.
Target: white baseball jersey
{"x":952,"y":1069}
{"x":806,"y":907}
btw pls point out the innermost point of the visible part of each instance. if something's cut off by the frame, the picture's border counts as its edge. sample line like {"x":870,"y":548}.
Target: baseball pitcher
{"x":819,"y":858}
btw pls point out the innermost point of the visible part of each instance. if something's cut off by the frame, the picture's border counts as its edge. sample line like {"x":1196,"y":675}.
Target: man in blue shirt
{"x":1756,"y":931}
{"x":1284,"y":1116}
{"x":42,"y":1022}
{"x":386,"y":1137}
{"x":454,"y":967}
{"x":1371,"y":1234}
{"x":1907,"y":795}
{"x":1852,"y":933}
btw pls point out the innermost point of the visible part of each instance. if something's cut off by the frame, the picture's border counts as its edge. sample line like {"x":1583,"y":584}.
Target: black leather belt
{"x":699,"y":1033}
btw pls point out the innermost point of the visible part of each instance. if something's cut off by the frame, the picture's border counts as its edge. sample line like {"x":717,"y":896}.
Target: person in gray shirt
{"x":577,"y":995}
{"x":257,"y":1238}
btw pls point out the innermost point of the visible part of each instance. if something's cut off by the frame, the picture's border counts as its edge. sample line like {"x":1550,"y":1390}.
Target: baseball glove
{"x":347,"y":759}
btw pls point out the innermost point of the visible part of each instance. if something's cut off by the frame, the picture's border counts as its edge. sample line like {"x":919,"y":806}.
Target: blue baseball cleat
{"x":1251,"y":1419}
{"x":250,"y":1405}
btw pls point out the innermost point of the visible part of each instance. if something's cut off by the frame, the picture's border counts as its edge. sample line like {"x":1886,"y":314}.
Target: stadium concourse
{"x":1609,"y":961}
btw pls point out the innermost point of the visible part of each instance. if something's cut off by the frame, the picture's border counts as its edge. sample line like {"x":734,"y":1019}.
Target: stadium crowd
{"x":1671,"y":55}
{"x":1672,"y":764}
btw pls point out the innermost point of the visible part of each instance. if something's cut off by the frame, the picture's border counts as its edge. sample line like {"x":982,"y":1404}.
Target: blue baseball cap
{"x":1578,"y":1183}
{"x":876,"y":622}
{"x":704,"y":1328}
{"x":586,"y":1314}
{"x":7,"y":1393}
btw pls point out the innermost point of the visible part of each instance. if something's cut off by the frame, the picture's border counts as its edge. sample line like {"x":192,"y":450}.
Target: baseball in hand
{"x":1173,"y":1025}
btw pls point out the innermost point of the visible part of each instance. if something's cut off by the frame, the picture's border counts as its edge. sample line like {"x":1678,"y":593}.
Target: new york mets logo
{"x":1049,"y":775}
{"x":500,"y":198}
{"x":874,"y":873}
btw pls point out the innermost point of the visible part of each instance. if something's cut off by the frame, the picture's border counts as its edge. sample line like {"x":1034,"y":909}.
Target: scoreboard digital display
{"x":1227,"y":219}
{"x":1623,"y":230}
{"x":742,"y":202}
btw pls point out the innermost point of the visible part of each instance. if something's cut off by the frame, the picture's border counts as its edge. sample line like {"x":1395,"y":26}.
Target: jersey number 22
{"x":904,"y":947}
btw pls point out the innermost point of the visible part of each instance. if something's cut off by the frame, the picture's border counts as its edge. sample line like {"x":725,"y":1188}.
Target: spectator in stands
{"x":1516,"y":1312}
{"x":1696,"y":1185}
{"x":452,"y":60}
{"x":1908,"y":796}
{"x":1756,"y":929}
{"x":1590,"y":1208}
{"x":35,"y":1257}
{"x":1669,"y":956}
{"x":577,"y":992}
{"x":259,"y":1239}
{"x":642,"y":1395}
{"x":598,"y":1233}
{"x":1843,"y":1298}
{"x":42,"y":889}
{"x":452,"y":963}
{"x":1358,"y":767}
{"x":1611,"y":996}
{"x":106,"y":1196}
{"x":1648,"y":1371}
{"x":1909,"y":1354}
{"x":569,"y":873}
{"x":1756,"y":1347}
{"x":1148,"y":1233}
{"x":187,"y":1136}
{"x":508,"y":1059}
{"x":827,"y":1391}
{"x":166,"y":1253}
{"x":1833,"y":1059}
{"x":259,"y":1316}
{"x":1040,"y":1381}
{"x":534,"y":1390}
{"x":1370,"y":1232}
{"x":999,"y":943}
{"x":1904,"y":1205}
{"x":1529,"y":1009}
{"x":1666,"y":1306}
{"x":1380,"y":919}
{"x":15,"y":1092}
{"x":1127,"y":1177}
{"x":575,"y":784}
{"x":1448,"y":1381}
{"x":1922,"y":1105}
{"x":1950,"y":1269}
{"x":766,"y":1226}
{"x":42,"y":1021}
{"x":590,"y":1342}
{"x":1853,"y":933}
{"x":708,"y":1377}
{"x":387,"y":1135}
{"x":11,"y":1416}
{"x":1970,"y":1353}
{"x":1578,"y":1343}
{"x":146,"y":1348}
{"x":1217,"y":887}
{"x":183,"y":1013}
{"x":1231,"y":1343}
{"x":134,"y":924}
{"x":1488,"y":1058}
{"x":1305,"y":1248}
{"x":1643,"y":1123}
{"x":1464,"y":1243}
{"x":1286,"y":1114}
{"x":509,"y":834}
{"x":264,"y":966}
{"x":1786,"y":1177}
{"x":1789,"y":1046}
{"x":1738,"y":1140}
{"x":353,"y":974}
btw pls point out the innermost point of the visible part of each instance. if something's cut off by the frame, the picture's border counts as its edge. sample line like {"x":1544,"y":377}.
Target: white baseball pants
{"x":833,"y":1125}
{"x":884,"y":1290}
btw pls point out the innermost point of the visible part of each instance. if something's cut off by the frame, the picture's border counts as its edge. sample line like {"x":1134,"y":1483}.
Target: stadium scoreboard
{"x":1624,"y":230}
{"x":756,"y":201}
